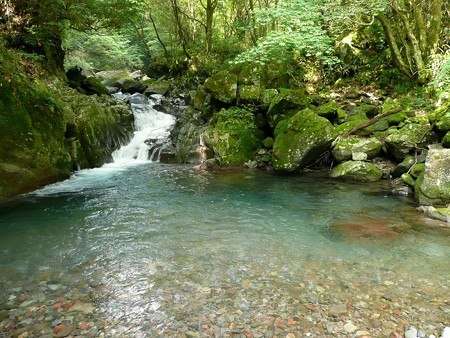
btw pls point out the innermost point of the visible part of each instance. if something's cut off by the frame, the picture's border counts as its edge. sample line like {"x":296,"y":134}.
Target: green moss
{"x":357,"y":171}
{"x":300,"y":139}
{"x":233,"y":136}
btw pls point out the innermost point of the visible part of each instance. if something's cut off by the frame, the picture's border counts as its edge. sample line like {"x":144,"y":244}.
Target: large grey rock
{"x":350,"y":148}
{"x":357,"y":171}
{"x":301,"y":139}
{"x":433,"y":186}
{"x":407,"y":139}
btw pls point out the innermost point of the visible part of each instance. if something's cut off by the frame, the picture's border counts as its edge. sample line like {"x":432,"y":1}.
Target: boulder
{"x":222,"y":86}
{"x":233,"y":136}
{"x":249,"y":94}
{"x":357,"y":171}
{"x":433,"y":186}
{"x":133,"y":86}
{"x":286,"y":104}
{"x":350,"y":148}
{"x":160,"y":87}
{"x":301,"y":139}
{"x":331,"y":111}
{"x":446,"y":140}
{"x":93,"y":86}
{"x":407,"y":139}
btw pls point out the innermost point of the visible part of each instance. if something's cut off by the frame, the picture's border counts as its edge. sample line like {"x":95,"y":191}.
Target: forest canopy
{"x":411,"y":36}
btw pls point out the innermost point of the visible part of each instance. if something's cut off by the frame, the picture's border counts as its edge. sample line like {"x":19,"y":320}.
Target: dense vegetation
{"x":403,"y":38}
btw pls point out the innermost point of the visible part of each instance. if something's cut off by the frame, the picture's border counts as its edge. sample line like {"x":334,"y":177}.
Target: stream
{"x":143,"y":249}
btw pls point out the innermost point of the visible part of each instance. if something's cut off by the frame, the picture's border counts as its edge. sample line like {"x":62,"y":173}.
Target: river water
{"x":143,"y":249}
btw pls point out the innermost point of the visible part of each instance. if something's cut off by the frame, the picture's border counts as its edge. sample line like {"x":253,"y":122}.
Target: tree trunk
{"x":412,"y":31}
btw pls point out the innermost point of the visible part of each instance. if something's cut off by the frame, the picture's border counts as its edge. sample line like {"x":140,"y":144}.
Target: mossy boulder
{"x":331,"y":111}
{"x":133,"y":86}
{"x":92,"y":86}
{"x":252,"y":75}
{"x":48,"y":131}
{"x":222,"y":86}
{"x":408,"y":139}
{"x":301,"y":139}
{"x":359,"y":171}
{"x":249,"y":94}
{"x":367,"y":110}
{"x":233,"y":136}
{"x":102,"y":125}
{"x":349,"y":148}
{"x":443,"y":124}
{"x":267,"y":96}
{"x":433,"y":186}
{"x":446,"y":140}
{"x":160,"y":87}
{"x":286,"y":104}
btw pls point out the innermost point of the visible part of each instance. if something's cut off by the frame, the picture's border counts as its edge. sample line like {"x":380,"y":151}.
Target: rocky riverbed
{"x":316,"y":299}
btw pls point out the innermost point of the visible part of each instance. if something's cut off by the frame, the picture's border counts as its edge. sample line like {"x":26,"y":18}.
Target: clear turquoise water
{"x":150,"y":240}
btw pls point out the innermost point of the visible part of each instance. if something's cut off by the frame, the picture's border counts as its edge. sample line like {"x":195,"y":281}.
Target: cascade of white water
{"x":152,"y":127}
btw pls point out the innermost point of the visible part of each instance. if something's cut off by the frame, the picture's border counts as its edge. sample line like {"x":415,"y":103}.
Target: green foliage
{"x":296,"y":31}
{"x":440,"y":70}
{"x":101,"y":52}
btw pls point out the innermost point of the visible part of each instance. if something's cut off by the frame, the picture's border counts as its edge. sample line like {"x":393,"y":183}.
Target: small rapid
{"x":152,"y":129}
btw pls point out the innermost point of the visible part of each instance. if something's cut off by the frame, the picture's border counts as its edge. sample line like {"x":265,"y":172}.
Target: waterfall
{"x":152,"y":129}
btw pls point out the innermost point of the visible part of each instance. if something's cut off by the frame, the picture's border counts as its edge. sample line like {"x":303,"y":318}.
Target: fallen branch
{"x":372,"y":121}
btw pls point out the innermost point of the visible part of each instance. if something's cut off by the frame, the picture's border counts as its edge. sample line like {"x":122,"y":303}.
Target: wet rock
{"x":357,"y":171}
{"x":63,"y":330}
{"x":370,"y":228}
{"x":446,"y":332}
{"x":433,"y":186}
{"x":85,"y":308}
{"x":411,"y":332}
{"x":336,"y":310}
{"x":133,"y":86}
{"x":350,"y":327}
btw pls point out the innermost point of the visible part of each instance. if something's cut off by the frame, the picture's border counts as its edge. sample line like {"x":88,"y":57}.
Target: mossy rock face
{"x":331,"y":111}
{"x":443,"y":124}
{"x":252,"y":75}
{"x":367,"y":110}
{"x":93,"y":86}
{"x":348,"y":149}
{"x":286,"y":104}
{"x":46,"y":132}
{"x":301,"y":139}
{"x":359,"y":171}
{"x":249,"y":94}
{"x":233,"y":136}
{"x":267,"y":96}
{"x":396,"y":119}
{"x":222,"y":86}
{"x":446,"y":140}
{"x":433,"y":186}
{"x":407,"y":139}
